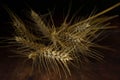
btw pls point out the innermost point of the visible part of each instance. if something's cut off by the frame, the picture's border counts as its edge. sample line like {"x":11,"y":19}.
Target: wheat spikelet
{"x":82,"y":37}
{"x":40,"y":23}
{"x":43,"y":56}
{"x":28,"y":43}
{"x":82,"y":34}
{"x":49,"y":57}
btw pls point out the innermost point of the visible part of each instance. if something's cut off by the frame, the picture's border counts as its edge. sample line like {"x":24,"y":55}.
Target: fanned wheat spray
{"x":67,"y":42}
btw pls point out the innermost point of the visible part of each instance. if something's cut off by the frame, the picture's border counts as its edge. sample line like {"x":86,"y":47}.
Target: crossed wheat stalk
{"x":59,"y":46}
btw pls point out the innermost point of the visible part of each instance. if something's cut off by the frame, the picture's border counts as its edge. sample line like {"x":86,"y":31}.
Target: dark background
{"x":13,"y":69}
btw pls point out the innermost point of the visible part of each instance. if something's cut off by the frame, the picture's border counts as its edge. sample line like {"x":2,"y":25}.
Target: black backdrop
{"x":109,"y":70}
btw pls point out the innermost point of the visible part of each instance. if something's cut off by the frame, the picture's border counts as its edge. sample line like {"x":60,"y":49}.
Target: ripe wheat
{"x":66,"y":42}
